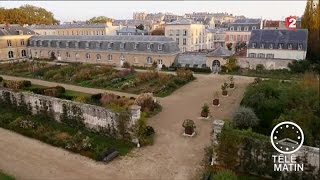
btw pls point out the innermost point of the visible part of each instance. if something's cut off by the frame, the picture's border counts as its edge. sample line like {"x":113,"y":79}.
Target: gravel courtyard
{"x":172,"y":156}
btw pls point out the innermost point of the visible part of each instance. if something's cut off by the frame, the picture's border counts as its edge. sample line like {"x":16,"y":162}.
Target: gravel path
{"x":172,"y":156}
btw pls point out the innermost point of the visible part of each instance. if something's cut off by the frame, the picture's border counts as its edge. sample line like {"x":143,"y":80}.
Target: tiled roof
{"x":277,"y":36}
{"x":247,"y":21}
{"x":182,"y":22}
{"x":220,"y":52}
{"x":69,"y":26}
{"x":132,"y":38}
{"x":192,"y":59}
{"x":14,"y":30}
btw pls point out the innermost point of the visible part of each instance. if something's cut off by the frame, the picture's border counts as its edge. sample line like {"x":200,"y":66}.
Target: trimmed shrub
{"x":146,"y":101}
{"x":245,"y":118}
{"x":260,"y":67}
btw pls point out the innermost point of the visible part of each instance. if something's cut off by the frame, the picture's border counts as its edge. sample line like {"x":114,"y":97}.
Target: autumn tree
{"x":100,"y":19}
{"x":157,"y":32}
{"x":27,"y":14}
{"x":141,"y":27}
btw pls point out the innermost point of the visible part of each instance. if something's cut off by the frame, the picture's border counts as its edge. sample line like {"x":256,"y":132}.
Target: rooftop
{"x":124,"y":38}
{"x":6,"y":30}
{"x":182,"y":22}
{"x":220,"y":52}
{"x":69,"y":26}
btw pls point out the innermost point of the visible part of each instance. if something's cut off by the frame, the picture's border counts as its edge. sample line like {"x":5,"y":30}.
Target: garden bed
{"x":101,"y":76}
{"x":46,"y":129}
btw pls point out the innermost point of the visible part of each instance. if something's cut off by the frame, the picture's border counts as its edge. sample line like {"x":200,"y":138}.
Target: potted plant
{"x":231,"y":82}
{"x":189,"y":126}
{"x":216,"y":99}
{"x":205,"y":110}
{"x":224,"y":89}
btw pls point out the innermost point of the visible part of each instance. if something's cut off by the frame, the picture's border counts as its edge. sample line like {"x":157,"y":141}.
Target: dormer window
{"x":290,"y":46}
{"x":271,"y":46}
{"x":254,"y":27}
{"x":300,"y":46}
{"x":110,"y":45}
{"x":148,"y":46}
{"x":262,"y":46}
{"x":280,"y":45}
{"x":135,"y":46}
{"x":121,"y":45}
{"x":160,"y":47}
{"x":254,"y":45}
{"x":231,"y":28}
{"x":239,"y":28}
{"x":246,"y":28}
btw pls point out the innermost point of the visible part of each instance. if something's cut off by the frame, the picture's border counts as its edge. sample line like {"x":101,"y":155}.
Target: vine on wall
{"x":72,"y":115}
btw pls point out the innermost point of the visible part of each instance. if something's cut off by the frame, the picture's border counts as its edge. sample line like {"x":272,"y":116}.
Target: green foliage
{"x":27,"y":14}
{"x":299,"y":66}
{"x":5,"y":176}
{"x":99,"y":19}
{"x":205,"y":108}
{"x":260,"y":68}
{"x":188,"y":123}
{"x":140,"y":26}
{"x":224,"y":175}
{"x":1,"y":78}
{"x":231,"y":64}
{"x":275,"y":101}
{"x":245,"y":118}
{"x":144,"y":133}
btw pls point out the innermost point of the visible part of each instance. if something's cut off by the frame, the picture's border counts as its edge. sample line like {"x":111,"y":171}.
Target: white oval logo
{"x":287,"y":137}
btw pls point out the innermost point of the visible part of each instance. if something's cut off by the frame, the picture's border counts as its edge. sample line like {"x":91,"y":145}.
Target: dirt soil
{"x":172,"y":156}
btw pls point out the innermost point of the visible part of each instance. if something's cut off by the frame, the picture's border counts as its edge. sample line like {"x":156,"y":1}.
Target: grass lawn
{"x":5,"y":176}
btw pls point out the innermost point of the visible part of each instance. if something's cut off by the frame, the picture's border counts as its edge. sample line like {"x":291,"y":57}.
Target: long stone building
{"x":112,"y":50}
{"x":13,"y":42}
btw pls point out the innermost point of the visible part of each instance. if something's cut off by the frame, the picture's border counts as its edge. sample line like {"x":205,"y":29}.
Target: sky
{"x":83,"y":10}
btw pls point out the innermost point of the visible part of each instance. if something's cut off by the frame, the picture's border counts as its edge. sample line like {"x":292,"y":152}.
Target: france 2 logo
{"x":291,"y":22}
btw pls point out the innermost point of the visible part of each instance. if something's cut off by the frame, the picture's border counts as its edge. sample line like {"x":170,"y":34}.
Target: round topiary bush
{"x":245,"y":118}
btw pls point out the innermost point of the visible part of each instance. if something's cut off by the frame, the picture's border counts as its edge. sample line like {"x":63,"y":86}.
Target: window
{"x":270,"y":56}
{"x":261,"y":55}
{"x":87,"y":56}
{"x":271,"y":46}
{"x":254,"y":45}
{"x":203,"y":65}
{"x":290,"y":46}
{"x":252,"y":55}
{"x":254,"y":27}
{"x":160,"y":47}
{"x":149,"y":60}
{"x":178,"y":32}
{"x":177,"y":41}
{"x":239,"y":28}
{"x":231,"y":28}
{"x":300,"y":46}
{"x":246,"y":28}
{"x":110,"y":45}
{"x":280,"y":45}
{"x":262,"y":45}
{"x":184,"y":41}
{"x":195,"y":65}
{"x":185,"y":32}
{"x":10,"y":54}
{"x":22,"y":42}
{"x":159,"y":61}
{"x":67,"y":55}
{"x":148,"y":46}
{"x":110,"y":57}
{"x":58,"y":54}
{"x":121,"y":45}
{"x":23,"y":53}
{"x":9,"y":43}
{"x":135,"y":46}
{"x":98,"y":57}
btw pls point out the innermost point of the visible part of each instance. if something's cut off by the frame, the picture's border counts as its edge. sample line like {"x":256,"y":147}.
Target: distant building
{"x":139,"y":16}
{"x":278,"y":44}
{"x":189,"y":35}
{"x":240,"y":31}
{"x":216,"y":38}
{"x":75,"y":29}
{"x":272,"y":24}
{"x":128,"y":31}
{"x":112,"y":50}
{"x":13,"y":42}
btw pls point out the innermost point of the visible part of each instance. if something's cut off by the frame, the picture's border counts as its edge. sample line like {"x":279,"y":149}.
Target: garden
{"x":244,"y":143}
{"x":94,"y":144}
{"x":102,"y":76}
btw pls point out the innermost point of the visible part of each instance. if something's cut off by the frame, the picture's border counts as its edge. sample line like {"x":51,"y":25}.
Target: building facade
{"x":216,"y":38}
{"x":189,"y":35}
{"x":76,"y":29}
{"x":111,"y":50}
{"x":278,"y":44}
{"x":128,"y":31}
{"x":240,"y":31}
{"x":13,"y":42}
